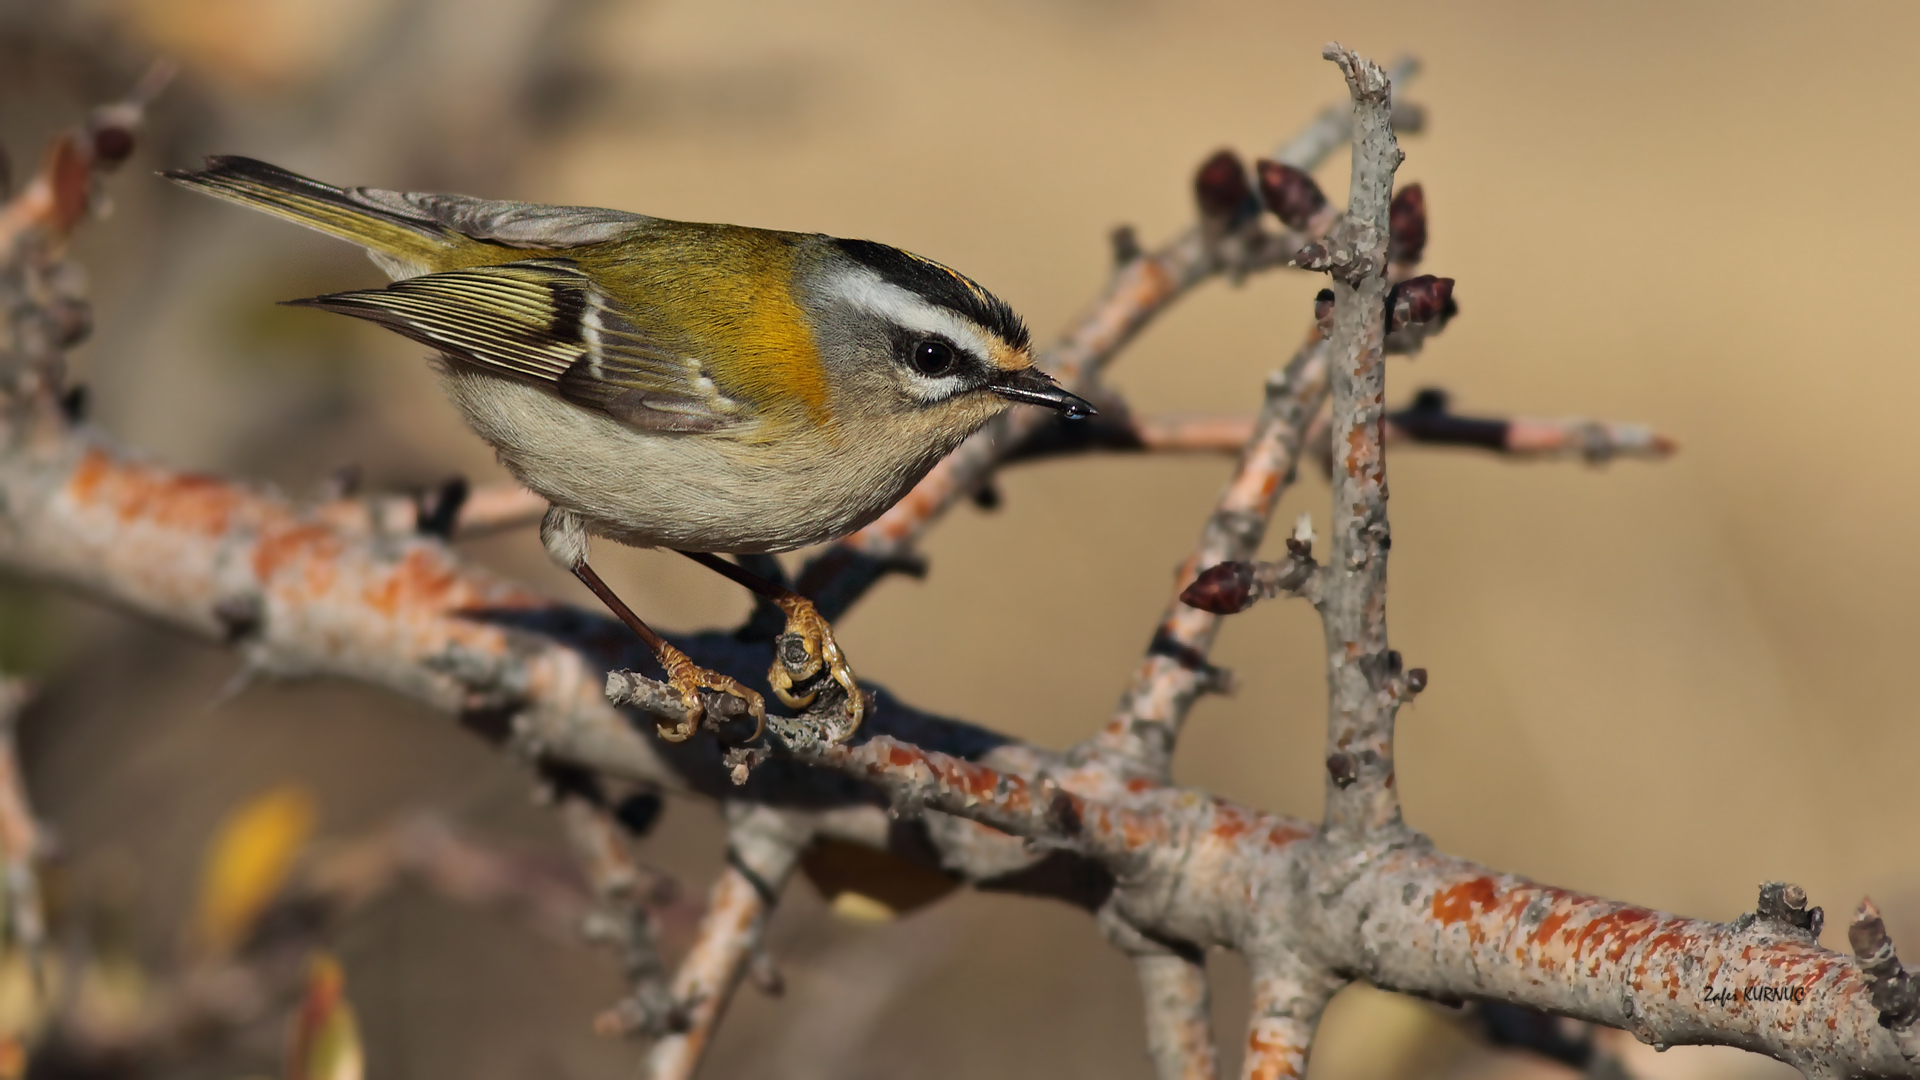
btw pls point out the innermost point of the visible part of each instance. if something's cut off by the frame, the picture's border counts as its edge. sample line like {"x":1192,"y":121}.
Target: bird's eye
{"x":932,"y":358}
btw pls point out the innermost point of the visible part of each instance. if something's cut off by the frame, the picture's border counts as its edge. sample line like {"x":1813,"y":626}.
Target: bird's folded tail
{"x":402,"y":244}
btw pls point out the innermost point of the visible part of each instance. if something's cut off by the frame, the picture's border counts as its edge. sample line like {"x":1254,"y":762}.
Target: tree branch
{"x":23,"y":842}
{"x":1362,"y":698}
{"x":762,"y":851}
{"x":1179,"y":1012}
{"x":1175,"y":671}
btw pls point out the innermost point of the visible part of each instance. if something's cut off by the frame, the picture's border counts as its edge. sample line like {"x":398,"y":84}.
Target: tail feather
{"x":391,"y":237}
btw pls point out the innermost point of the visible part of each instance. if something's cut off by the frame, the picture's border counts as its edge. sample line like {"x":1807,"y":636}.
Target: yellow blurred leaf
{"x":854,"y":907}
{"x":24,"y":1003}
{"x":247,"y":863}
{"x":325,"y":1041}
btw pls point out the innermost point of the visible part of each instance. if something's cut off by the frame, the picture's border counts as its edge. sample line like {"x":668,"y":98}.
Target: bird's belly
{"x":696,"y":492}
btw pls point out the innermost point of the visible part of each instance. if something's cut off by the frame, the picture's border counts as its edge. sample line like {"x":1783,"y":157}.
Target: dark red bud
{"x":112,"y":145}
{"x":1416,"y":680}
{"x":1323,"y":305}
{"x":1407,"y":225}
{"x":1418,"y":300}
{"x":1290,"y":193}
{"x":1221,"y":187}
{"x":1341,"y":768}
{"x":1222,"y":589}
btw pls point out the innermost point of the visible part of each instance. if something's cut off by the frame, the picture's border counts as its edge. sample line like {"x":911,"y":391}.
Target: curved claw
{"x":688,"y":679}
{"x":815,"y":637}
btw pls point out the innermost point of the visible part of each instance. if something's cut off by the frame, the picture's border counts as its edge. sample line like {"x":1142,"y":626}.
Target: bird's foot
{"x":688,"y":679}
{"x":803,"y":650}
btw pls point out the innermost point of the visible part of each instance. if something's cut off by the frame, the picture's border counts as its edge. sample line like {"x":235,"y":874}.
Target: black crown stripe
{"x":940,"y":285}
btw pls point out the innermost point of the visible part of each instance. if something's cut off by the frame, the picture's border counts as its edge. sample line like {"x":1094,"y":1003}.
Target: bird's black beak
{"x":1036,"y":387}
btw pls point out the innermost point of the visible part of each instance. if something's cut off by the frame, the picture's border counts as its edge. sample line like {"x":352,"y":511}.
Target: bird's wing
{"x":542,"y":321}
{"x":514,"y":224}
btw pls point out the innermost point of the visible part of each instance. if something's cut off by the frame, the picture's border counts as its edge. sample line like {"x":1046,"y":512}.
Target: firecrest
{"x":707,"y":388}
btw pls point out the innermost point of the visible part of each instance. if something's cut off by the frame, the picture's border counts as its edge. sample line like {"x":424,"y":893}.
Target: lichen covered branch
{"x":1361,"y":797}
{"x":762,"y":850}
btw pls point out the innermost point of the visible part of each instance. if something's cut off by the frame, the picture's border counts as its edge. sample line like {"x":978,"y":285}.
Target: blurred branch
{"x":1429,"y":421}
{"x":622,"y":894}
{"x":23,"y":842}
{"x":762,"y":850}
{"x":496,"y":508}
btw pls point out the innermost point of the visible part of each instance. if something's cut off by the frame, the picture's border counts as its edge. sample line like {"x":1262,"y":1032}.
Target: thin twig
{"x":622,"y":892}
{"x":762,"y":852}
{"x":1288,"y":999}
{"x":1177,"y":1000}
{"x":1175,"y":671}
{"x":22,"y":839}
{"x":1361,"y":796}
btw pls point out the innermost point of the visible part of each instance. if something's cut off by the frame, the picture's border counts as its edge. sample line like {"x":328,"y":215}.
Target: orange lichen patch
{"x":1612,"y":934}
{"x":1357,"y":452}
{"x":1135,"y":830}
{"x":421,"y":580}
{"x":1286,"y":833}
{"x":1140,"y":784}
{"x":1271,"y":1056}
{"x":1549,"y":926}
{"x":281,"y":547}
{"x":1464,"y":901}
{"x":186,"y":501}
{"x":901,"y":757}
{"x":1230,"y":822}
{"x":87,"y":476}
{"x":1665,"y":941}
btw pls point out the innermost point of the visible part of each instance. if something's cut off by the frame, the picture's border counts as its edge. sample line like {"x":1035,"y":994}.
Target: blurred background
{"x":1664,"y":683}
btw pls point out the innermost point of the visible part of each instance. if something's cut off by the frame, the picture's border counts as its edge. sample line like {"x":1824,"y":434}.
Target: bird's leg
{"x":565,"y":538}
{"x":808,"y":633}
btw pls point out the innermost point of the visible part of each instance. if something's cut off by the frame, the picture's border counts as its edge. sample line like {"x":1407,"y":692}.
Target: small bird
{"x":713,"y":389}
